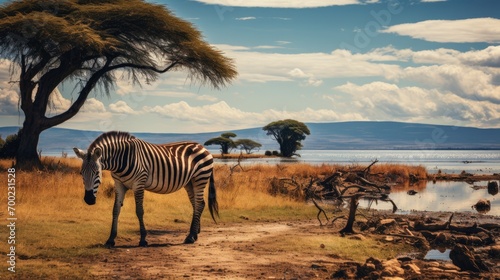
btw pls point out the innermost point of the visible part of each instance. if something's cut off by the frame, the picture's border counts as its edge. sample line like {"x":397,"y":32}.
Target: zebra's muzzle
{"x":89,"y":197}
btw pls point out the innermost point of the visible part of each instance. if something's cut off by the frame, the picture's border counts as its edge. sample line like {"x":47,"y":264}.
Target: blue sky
{"x":423,"y":61}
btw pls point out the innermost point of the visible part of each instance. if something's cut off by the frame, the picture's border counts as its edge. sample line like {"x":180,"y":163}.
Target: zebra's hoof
{"x":190,"y":239}
{"x":143,"y":243}
{"x":109,"y":244}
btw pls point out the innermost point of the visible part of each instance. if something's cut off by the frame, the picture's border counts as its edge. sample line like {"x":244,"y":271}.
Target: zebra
{"x":138,"y":166}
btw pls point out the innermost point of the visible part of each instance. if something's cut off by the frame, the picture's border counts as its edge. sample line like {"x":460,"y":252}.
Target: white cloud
{"x":57,"y":103}
{"x":451,"y":31}
{"x":220,"y":116}
{"x":93,"y":105}
{"x":464,"y":81}
{"x":9,"y":93}
{"x":385,"y":101}
{"x":267,"y":47}
{"x":263,"y":67}
{"x":245,"y":18}
{"x":9,"y":99}
{"x":121,"y":107}
{"x":285,"y":3}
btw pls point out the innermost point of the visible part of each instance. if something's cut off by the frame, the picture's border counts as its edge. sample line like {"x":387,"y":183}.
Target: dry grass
{"x":54,"y":223}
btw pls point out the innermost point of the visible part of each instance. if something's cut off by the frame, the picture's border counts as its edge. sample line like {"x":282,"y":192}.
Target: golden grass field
{"x":54,"y":223}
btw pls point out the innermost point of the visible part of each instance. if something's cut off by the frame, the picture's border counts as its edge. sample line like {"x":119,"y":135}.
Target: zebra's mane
{"x":111,"y":136}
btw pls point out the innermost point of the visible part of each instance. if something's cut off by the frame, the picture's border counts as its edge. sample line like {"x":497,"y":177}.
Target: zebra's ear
{"x":79,"y":153}
{"x":96,"y":154}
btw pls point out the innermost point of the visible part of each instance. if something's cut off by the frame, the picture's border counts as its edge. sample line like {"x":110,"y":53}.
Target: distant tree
{"x":225,"y":142}
{"x":228,"y":135}
{"x":247,"y":144}
{"x":289,"y":134}
{"x":92,"y":43}
{"x":2,"y":142}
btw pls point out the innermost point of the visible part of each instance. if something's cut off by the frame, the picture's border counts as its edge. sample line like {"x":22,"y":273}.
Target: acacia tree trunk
{"x":27,"y":155}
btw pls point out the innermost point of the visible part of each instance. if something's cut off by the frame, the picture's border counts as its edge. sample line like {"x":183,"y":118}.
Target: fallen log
{"x":420,"y":225}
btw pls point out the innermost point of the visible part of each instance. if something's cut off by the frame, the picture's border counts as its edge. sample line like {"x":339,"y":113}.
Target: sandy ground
{"x":245,"y":251}
{"x":221,"y":252}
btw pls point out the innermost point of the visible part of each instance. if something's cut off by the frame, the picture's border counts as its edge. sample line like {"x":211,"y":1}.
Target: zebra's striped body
{"x":138,"y":166}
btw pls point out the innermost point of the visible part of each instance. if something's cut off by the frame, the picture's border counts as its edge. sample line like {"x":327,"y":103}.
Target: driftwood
{"x":348,"y":185}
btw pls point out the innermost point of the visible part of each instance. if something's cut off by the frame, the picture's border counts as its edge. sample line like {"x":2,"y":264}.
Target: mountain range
{"x":359,"y":135}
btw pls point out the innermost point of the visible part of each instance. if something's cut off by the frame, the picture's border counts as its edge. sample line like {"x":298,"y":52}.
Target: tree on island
{"x":87,"y":42}
{"x":247,"y":144}
{"x":225,"y":142}
{"x":289,"y":134}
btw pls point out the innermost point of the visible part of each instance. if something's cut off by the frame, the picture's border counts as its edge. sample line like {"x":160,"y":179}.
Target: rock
{"x":392,"y":268}
{"x":465,"y":259}
{"x":412,"y":268}
{"x":449,"y":266}
{"x":442,"y":238}
{"x":493,"y":188}
{"x":432,"y":264}
{"x":494,"y":252}
{"x":384,"y":222}
{"x":411,"y":192}
{"x":482,"y":206}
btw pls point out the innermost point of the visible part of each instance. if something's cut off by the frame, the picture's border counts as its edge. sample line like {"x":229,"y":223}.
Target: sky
{"x":422,"y":61}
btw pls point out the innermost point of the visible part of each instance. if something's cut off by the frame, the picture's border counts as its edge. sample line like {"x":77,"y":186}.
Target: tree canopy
{"x":289,"y":134}
{"x":247,"y":144}
{"x":225,"y":142}
{"x":86,"y":41}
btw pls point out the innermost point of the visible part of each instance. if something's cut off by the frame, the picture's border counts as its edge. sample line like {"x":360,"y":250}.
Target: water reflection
{"x":440,"y":196}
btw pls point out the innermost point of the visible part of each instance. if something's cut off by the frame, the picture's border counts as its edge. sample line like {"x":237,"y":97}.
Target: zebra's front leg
{"x":139,"y":210}
{"x":120,"y":191}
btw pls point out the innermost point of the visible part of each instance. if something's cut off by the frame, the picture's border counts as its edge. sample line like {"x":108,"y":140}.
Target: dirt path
{"x":222,"y":252}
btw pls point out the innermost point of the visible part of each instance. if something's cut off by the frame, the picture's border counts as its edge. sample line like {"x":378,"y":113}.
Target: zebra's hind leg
{"x":195,"y":193}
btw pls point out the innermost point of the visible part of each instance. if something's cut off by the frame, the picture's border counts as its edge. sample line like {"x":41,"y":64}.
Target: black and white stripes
{"x":138,"y":166}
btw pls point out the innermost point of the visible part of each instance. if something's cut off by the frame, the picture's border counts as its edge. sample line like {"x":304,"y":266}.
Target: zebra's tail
{"x":213,"y":206}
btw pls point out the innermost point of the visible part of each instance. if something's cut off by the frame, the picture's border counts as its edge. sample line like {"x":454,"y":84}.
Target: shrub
{"x":9,"y":149}
{"x":268,"y":153}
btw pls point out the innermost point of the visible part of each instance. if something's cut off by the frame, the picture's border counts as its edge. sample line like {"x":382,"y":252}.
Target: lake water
{"x":440,"y":196}
{"x":448,"y":161}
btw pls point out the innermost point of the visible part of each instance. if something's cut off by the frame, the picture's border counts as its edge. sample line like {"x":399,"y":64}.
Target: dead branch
{"x":352,"y":214}
{"x":320,"y":211}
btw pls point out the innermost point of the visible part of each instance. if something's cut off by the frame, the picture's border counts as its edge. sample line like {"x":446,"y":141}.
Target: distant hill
{"x":324,"y":136}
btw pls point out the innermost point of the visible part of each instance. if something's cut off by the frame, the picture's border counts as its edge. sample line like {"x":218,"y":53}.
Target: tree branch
{"x":82,"y":97}
{"x":145,"y":67}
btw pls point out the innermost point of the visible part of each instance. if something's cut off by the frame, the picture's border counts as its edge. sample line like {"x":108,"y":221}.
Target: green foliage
{"x":289,"y":134}
{"x":228,"y":135}
{"x":225,"y":144}
{"x":88,"y":42}
{"x":9,"y":147}
{"x":2,"y":142}
{"x":247,"y":144}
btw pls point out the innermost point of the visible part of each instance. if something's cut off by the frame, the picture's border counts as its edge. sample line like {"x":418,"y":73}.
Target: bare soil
{"x":244,"y":251}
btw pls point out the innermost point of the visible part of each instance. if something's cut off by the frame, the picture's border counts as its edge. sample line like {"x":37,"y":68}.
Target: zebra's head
{"x":91,"y":172}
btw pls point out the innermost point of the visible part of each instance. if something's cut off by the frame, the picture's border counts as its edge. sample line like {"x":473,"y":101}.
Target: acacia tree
{"x":87,"y":41}
{"x":289,"y":134}
{"x":247,"y":144}
{"x":224,"y":140}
